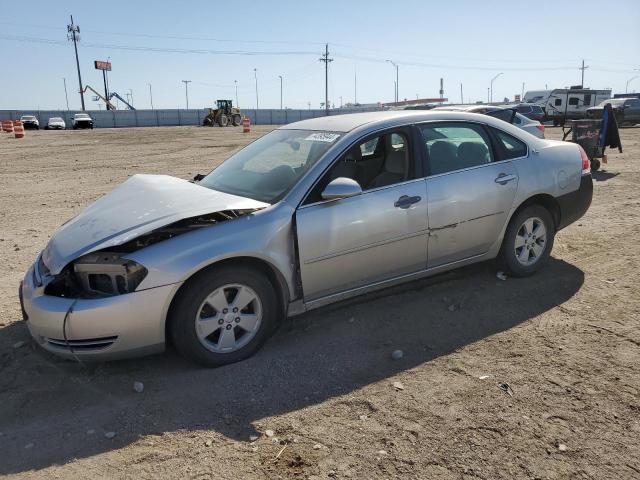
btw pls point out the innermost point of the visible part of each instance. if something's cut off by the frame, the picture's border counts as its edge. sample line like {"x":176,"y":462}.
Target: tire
{"x":223,"y":120}
{"x":237,"y":120}
{"x":595,"y":165}
{"x":512,"y":256}
{"x":259,"y":318}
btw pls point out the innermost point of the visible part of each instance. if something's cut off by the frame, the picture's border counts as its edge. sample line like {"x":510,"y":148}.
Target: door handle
{"x":406,"y":201}
{"x":503,"y":178}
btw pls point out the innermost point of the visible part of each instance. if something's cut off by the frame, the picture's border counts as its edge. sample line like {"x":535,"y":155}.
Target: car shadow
{"x":54,"y":411}
{"x":603,"y":175}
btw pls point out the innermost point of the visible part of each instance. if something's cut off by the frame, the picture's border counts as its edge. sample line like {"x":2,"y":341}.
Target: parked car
{"x":30,"y":122}
{"x":55,"y":123}
{"x":82,"y":120}
{"x":531,"y":111}
{"x":507,"y":114}
{"x":314,"y":212}
{"x":626,"y":110}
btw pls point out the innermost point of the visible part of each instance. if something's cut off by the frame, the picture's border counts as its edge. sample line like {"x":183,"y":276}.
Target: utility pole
{"x":66,"y":97}
{"x":131,"y":93}
{"x":150,"y":95}
{"x":186,"y":90}
{"x":309,"y":105}
{"x":522,"y":95}
{"x":325,"y":58}
{"x":583,"y":68}
{"x":461,"y":96}
{"x":255,"y":76}
{"x":280,"y":91}
{"x":236,"y":84}
{"x":488,"y":96}
{"x":340,"y":101}
{"x":72,"y":34}
{"x":397,"y":82}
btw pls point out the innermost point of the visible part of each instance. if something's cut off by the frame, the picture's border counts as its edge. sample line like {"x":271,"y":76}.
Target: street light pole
{"x":150,"y":95}
{"x":186,"y":90}
{"x":626,"y":88}
{"x":491,"y":88}
{"x":280,"y":91}
{"x":255,"y":75}
{"x":396,"y":92}
{"x":66,"y":97}
{"x":236,"y":84}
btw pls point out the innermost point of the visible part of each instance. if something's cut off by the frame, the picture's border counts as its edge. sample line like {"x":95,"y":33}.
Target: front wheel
{"x":223,"y":120}
{"x":237,"y":120}
{"x":528,"y":241}
{"x":223,"y":315}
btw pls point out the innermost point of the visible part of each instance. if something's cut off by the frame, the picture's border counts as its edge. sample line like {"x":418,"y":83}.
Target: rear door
{"x":470,"y":190}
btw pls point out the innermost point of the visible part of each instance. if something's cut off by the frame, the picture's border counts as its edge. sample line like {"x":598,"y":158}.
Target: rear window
{"x":511,"y":146}
{"x":536,"y":109}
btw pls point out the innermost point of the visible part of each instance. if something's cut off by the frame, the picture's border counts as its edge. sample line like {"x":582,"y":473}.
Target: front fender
{"x":265,"y":235}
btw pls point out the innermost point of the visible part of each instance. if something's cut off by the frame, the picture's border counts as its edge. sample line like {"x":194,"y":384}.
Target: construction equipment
{"x":114,"y":94}
{"x":224,"y":115}
{"x":109,"y":105}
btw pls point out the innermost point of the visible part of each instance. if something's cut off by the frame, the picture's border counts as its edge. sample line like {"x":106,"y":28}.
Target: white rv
{"x":566,"y":103}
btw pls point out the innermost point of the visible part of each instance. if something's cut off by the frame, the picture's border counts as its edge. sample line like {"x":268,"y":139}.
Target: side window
{"x":454,"y":146}
{"x":558,"y":102}
{"x":377,"y":162}
{"x":511,"y":146}
{"x":574,"y":101}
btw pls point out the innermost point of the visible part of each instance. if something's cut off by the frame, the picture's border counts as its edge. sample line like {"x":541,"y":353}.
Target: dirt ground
{"x":567,"y":341}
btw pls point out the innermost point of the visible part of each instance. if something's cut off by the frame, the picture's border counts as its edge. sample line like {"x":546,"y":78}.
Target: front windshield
{"x":268,"y":168}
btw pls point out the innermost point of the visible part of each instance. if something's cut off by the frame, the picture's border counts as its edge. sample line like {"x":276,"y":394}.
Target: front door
{"x":377,"y":235}
{"x":469,"y":192}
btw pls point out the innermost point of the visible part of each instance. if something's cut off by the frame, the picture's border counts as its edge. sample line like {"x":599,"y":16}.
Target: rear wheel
{"x":237,"y":120}
{"x":223,"y":120}
{"x":595,"y":165}
{"x":528,"y":241}
{"x":223,"y":315}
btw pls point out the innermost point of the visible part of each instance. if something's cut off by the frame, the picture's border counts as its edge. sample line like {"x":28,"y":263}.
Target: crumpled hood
{"x":139,"y":205}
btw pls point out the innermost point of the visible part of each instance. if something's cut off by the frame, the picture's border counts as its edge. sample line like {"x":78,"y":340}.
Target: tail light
{"x":541,"y":128}
{"x":586,"y":163}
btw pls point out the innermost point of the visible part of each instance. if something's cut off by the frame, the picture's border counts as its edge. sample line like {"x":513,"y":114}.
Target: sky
{"x":215,"y":44}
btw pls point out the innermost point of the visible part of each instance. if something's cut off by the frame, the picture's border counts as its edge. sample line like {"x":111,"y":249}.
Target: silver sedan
{"x":310,"y":214}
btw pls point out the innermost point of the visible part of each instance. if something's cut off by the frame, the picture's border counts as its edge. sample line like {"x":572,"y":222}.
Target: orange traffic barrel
{"x":7,"y":126}
{"x":18,"y":131}
{"x":246,"y":125}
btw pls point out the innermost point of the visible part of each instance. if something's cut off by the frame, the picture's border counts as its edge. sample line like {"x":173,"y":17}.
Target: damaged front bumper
{"x":99,"y":329}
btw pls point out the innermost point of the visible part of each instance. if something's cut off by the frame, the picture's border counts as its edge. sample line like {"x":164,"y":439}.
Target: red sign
{"x":102,"y":65}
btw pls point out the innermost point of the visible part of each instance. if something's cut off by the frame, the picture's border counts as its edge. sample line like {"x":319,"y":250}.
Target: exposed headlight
{"x":106,"y":273}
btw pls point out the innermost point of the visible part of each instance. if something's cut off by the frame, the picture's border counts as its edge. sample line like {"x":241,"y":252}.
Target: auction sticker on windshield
{"x":322,"y":137}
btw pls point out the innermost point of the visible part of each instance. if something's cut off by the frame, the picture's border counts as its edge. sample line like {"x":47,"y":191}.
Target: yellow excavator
{"x":224,"y":115}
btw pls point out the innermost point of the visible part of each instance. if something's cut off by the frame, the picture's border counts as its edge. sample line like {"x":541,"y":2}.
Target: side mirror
{"x":341,"y":187}
{"x":198,"y":177}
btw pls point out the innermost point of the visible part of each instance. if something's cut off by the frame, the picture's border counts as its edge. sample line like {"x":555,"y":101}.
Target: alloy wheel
{"x":228,"y":318}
